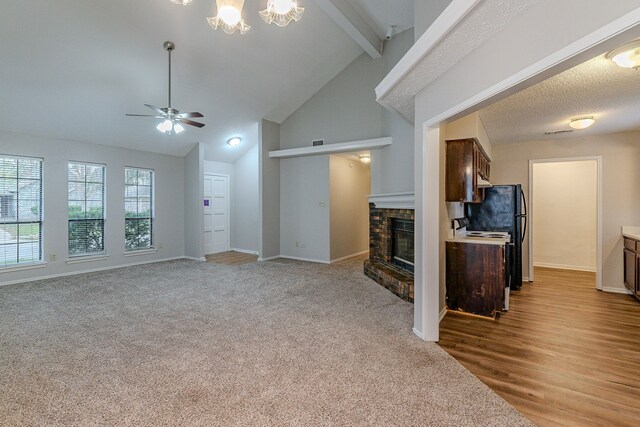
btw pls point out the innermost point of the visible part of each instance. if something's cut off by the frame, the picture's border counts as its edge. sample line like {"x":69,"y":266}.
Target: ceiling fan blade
{"x":188,"y":115}
{"x":157,"y":109}
{"x":144,"y":115}
{"x":191,"y":122}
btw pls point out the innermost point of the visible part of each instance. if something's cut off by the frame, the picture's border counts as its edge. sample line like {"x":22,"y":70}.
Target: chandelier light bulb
{"x":281,"y":12}
{"x":229,"y":17}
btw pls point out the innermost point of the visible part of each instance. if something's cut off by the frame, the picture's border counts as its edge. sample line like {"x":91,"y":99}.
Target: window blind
{"x":138,"y":207}
{"x":86,"y":209}
{"x":20,"y":210}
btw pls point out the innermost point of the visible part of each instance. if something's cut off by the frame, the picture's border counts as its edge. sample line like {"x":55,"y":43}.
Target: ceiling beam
{"x":347,"y":18}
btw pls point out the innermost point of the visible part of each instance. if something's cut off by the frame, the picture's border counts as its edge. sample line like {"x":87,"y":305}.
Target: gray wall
{"x":245,"y":211}
{"x":269,"y":190}
{"x":193,"y":202}
{"x":425,"y":12}
{"x":304,"y":208}
{"x":169,"y":201}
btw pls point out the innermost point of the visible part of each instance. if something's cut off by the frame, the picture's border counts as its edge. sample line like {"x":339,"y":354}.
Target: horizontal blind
{"x":138,"y":207}
{"x":20,"y":210}
{"x":86,"y":208}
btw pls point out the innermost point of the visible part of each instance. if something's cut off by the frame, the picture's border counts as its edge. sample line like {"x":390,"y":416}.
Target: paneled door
{"x":216,"y":214}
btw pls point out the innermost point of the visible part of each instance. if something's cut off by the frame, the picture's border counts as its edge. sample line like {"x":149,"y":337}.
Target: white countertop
{"x":462,"y":237}
{"x":631,"y":232}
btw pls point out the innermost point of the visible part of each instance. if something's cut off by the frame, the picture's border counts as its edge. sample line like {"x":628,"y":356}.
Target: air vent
{"x":558,"y":132}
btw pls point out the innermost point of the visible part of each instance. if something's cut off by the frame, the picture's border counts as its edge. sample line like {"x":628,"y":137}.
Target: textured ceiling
{"x":71,"y":70}
{"x":596,"y":88}
{"x":381,"y":14}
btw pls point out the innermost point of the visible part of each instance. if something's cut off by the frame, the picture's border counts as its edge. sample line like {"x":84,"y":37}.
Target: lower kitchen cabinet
{"x":632,"y":265}
{"x":475,"y":277}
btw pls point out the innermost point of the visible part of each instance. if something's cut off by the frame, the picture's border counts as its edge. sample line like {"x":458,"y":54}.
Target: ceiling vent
{"x":558,"y":132}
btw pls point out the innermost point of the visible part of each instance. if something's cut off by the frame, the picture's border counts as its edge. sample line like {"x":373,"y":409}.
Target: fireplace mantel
{"x":393,"y":200}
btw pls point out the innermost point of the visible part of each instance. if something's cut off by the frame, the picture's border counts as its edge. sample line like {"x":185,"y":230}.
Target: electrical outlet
{"x":53,"y":257}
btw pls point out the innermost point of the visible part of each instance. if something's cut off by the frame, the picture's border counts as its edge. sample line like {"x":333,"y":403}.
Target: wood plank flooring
{"x":232,"y":258}
{"x":565,"y":353}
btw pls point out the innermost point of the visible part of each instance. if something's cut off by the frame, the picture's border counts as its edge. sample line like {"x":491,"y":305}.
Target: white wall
{"x":221,"y":168}
{"x":346,"y":110}
{"x":350,"y":185}
{"x":169,"y":201}
{"x":245,"y":207}
{"x":620,"y":174}
{"x":269,"y":190}
{"x":564,"y":209}
{"x":304,"y":208}
{"x":193,"y":202}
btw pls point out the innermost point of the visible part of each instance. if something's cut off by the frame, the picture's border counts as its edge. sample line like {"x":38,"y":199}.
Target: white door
{"x":216,"y":214}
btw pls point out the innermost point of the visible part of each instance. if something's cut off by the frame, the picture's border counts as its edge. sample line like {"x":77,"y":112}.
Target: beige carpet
{"x":187,"y":343}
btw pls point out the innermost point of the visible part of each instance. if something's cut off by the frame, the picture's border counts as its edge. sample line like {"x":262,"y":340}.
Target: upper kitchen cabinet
{"x":468,"y":170}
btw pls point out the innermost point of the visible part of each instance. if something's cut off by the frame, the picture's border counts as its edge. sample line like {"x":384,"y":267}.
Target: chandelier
{"x":229,"y":16}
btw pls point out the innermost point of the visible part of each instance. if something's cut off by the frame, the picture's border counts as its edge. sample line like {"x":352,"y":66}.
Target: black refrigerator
{"x":504,"y":209}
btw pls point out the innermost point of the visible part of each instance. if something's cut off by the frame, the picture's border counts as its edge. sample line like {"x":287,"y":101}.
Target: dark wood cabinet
{"x":475,"y":277}
{"x":466,"y":161}
{"x":632,"y":266}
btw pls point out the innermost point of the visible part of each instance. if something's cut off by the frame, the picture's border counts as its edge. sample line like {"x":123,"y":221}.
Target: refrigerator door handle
{"x":524,"y":203}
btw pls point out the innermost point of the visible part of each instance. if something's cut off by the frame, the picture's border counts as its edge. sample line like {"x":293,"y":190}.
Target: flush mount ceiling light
{"x":582,"y":122}
{"x":182,"y":2}
{"x":627,"y":56}
{"x":235,"y":141}
{"x":229,"y":17}
{"x":365,"y":158}
{"x":281,"y":12}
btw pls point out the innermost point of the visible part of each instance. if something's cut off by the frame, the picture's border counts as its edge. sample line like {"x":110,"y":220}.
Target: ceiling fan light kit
{"x":229,"y":15}
{"x":172,"y":119}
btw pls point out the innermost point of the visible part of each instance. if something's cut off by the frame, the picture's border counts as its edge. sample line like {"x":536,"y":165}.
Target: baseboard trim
{"x":617,"y":290}
{"x":89,"y":270}
{"x":194,"y":258}
{"x":565,"y":267}
{"x":295,"y":258}
{"x":245,"y":251}
{"x":526,"y":279}
{"x":443,"y":313}
{"x":418,"y":334}
{"x":269,"y":258}
{"x":344,"y":258}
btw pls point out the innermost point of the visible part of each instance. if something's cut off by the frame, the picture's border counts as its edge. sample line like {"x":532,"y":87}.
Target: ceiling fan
{"x":173,"y":119}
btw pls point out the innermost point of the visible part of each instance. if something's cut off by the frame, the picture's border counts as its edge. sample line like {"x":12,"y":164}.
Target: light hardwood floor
{"x":232,"y":258}
{"x":565,"y":354}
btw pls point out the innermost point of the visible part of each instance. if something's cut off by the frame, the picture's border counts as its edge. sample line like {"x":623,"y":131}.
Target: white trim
{"x":228,"y":209}
{"x":443,"y":313}
{"x":419,"y":334}
{"x":203,"y":259}
{"x":268,"y":258}
{"x":349,"y":256}
{"x":304,"y":259}
{"x":599,"y":260}
{"x":545,"y":65}
{"x":394,"y":200}
{"x":525,"y":279}
{"x":244,"y":251}
{"x":91,"y":270}
{"x":616,"y":290}
{"x":87,"y":258}
{"x":566,"y":267}
{"x":448,"y":19}
{"x":139,"y":252}
{"x":18,"y":267}
{"x":338,"y":147}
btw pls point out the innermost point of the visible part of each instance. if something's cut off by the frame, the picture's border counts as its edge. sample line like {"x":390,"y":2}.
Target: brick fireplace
{"x":391,"y":238}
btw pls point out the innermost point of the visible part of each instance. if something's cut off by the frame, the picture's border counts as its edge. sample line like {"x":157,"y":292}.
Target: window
{"x":20,"y":210}
{"x":86,"y":209}
{"x":138,"y":208}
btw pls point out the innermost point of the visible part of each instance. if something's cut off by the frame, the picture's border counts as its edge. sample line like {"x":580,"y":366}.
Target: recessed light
{"x":235,"y":141}
{"x":627,"y":56}
{"x":582,"y":122}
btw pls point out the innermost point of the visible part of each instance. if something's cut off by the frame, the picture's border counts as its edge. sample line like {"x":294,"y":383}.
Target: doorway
{"x":566,"y":215}
{"x":216,"y":214}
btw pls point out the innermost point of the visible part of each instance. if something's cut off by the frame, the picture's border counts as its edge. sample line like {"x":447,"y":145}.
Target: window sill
{"x":138,"y":252}
{"x":87,"y":258}
{"x":19,"y":267}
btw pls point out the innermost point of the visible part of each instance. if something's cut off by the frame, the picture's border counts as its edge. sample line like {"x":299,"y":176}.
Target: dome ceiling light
{"x":627,"y":56}
{"x":582,"y":122}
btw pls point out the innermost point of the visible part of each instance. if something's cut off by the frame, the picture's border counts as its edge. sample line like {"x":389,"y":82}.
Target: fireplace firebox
{"x":402,"y":237}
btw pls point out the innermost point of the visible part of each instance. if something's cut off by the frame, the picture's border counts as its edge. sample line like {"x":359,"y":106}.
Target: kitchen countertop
{"x":631,"y":232}
{"x":462,"y":238}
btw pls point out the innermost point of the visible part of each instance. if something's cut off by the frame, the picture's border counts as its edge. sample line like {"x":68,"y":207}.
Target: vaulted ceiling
{"x":71,"y":70}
